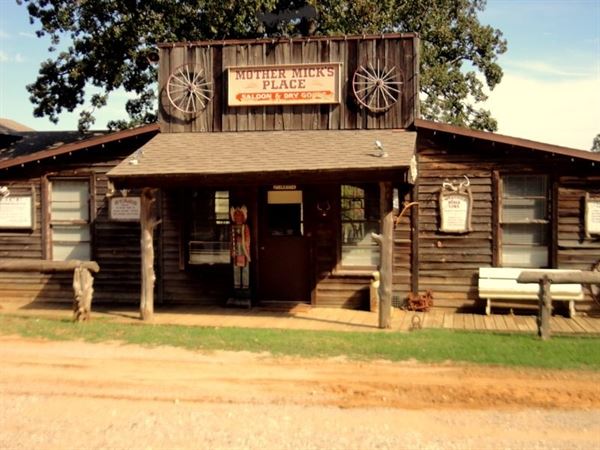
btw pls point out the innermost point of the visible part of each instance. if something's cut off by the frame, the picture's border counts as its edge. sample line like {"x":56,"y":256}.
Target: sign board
{"x":16,"y":212}
{"x":126,"y":209}
{"x":301,"y":84}
{"x":455,"y":212}
{"x":592,"y":215}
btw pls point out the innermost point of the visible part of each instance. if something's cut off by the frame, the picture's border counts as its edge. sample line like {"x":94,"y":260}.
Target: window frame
{"x":50,"y":223}
{"x":350,"y":269}
{"x":217,"y":222}
{"x":549,"y":200}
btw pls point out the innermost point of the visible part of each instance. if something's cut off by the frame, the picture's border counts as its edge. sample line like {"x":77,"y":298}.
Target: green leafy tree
{"x":596,"y":144}
{"x":109,"y":42}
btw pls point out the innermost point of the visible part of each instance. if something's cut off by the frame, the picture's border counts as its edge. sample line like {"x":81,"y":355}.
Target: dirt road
{"x":79,"y":395}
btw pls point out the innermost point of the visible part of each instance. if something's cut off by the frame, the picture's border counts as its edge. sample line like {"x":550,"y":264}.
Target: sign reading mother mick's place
{"x":300,"y":84}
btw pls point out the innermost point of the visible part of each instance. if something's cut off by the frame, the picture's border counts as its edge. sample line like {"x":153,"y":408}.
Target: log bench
{"x":499,"y":284}
{"x":83,"y":281}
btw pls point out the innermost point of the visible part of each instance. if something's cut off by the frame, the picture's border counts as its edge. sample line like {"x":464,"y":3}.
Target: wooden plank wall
{"x":215,"y":58}
{"x":182,"y":283}
{"x":574,"y":249}
{"x":448,"y":263}
{"x":115,"y":244}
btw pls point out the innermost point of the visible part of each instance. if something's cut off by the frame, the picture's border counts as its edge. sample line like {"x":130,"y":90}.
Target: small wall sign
{"x":125,"y":209}
{"x":455,"y":204}
{"x":592,"y":215}
{"x":301,"y":84}
{"x":16,"y":212}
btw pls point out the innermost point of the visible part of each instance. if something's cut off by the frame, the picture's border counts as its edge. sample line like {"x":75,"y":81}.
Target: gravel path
{"x":72,"y":395}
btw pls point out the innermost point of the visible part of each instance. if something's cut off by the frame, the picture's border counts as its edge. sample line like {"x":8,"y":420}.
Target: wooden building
{"x":275,"y":162}
{"x":54,"y":206}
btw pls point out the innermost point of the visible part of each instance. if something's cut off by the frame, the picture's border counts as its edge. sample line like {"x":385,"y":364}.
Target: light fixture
{"x":4,"y":191}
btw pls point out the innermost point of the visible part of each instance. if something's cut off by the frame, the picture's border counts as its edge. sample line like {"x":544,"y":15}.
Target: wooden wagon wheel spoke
{"x":376,"y":86}
{"x":188,"y":89}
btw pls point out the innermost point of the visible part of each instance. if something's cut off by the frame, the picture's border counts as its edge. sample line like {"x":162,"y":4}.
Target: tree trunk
{"x":545,"y":309}
{"x":148,"y":222}
{"x":83,"y":290}
{"x":386,"y":244}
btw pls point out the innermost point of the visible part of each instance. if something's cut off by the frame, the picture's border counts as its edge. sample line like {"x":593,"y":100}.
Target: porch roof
{"x":170,"y":155}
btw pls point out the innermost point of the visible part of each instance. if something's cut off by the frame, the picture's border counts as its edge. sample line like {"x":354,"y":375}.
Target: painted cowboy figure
{"x":240,"y":251}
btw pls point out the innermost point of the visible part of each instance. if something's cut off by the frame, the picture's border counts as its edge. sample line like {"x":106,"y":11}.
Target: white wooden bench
{"x":500,"y":283}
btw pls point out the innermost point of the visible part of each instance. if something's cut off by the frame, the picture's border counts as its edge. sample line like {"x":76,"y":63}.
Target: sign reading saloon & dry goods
{"x":301,"y":84}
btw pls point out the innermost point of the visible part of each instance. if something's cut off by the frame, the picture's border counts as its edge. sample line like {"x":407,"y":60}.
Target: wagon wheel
{"x":188,"y":89}
{"x":377,"y":87}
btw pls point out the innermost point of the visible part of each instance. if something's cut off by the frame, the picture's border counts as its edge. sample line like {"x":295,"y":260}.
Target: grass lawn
{"x":424,"y":345}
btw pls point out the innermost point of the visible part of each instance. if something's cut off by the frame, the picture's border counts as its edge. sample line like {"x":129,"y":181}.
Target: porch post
{"x":148,"y":222}
{"x":386,"y":243}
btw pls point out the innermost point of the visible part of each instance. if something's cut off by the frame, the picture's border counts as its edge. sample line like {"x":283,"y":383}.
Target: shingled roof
{"x":227,"y":153}
{"x":36,"y":146}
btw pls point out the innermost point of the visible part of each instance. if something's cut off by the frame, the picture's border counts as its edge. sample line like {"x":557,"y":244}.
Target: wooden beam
{"x":44,"y":266}
{"x":148,"y":223}
{"x":567,"y":277}
{"x":545,"y":309}
{"x":386,"y":244}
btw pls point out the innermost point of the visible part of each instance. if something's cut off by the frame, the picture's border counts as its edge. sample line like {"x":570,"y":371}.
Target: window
{"x":284,"y":213}
{"x":524,"y":221}
{"x":359,"y":207}
{"x":70,"y":220}
{"x":209,"y":228}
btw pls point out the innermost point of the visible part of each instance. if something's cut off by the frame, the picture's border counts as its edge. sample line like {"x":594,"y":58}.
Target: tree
{"x":596,"y":144}
{"x":110,"y":41}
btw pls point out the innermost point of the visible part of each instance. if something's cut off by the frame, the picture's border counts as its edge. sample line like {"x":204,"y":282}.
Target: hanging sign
{"x":125,"y":209}
{"x":301,"y":84}
{"x":592,"y":215}
{"x":16,"y":212}
{"x":455,"y":204}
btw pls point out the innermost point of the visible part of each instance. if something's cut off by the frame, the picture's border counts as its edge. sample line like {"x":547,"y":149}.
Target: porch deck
{"x":306,"y":318}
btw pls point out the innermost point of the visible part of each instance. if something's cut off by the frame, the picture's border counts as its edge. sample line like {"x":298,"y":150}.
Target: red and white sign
{"x":301,"y":84}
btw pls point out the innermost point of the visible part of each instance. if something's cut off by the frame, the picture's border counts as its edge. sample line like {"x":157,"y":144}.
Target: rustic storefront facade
{"x":277,"y":160}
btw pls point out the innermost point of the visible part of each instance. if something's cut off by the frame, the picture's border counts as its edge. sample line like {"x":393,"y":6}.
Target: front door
{"x":283,"y":247}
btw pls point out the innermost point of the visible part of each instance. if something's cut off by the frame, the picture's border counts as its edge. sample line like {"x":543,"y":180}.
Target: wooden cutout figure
{"x":240,"y":252}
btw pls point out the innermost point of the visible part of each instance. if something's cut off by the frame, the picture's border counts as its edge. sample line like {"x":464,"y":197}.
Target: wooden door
{"x":283,"y":248}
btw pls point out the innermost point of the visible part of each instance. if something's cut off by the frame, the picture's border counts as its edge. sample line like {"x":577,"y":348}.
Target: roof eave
{"x":79,"y":145}
{"x":508,"y":140}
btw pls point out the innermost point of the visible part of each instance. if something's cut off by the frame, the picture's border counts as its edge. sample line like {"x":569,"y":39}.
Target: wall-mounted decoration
{"x":188,"y":89}
{"x":592,"y":215}
{"x":298,"y":84}
{"x":377,"y":85}
{"x":124,"y":209}
{"x":456,"y":204}
{"x":16,"y":212}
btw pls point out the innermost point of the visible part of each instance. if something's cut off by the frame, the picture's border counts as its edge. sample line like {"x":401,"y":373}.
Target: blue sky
{"x":550,"y":91}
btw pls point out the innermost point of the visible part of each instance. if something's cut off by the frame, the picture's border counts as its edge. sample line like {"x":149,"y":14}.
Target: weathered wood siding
{"x":216,"y":57}
{"x":574,"y":249}
{"x":115,"y":245}
{"x":448,"y":263}
{"x":180,"y":282}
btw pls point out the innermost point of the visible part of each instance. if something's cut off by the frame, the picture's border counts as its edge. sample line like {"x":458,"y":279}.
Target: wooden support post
{"x":148,"y":222}
{"x":83,"y":290}
{"x":545,"y":309}
{"x":386,"y":244}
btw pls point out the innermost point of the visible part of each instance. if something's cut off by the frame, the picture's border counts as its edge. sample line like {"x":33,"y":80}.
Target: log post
{"x":148,"y":222}
{"x":545,"y":309}
{"x":83,"y":290}
{"x":386,"y":244}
